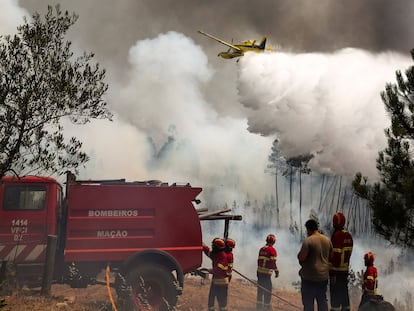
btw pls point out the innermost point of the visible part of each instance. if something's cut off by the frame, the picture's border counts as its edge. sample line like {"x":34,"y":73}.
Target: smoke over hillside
{"x":169,"y":92}
{"x":168,"y":85}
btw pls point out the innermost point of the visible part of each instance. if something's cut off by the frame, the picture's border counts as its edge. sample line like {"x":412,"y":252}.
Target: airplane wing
{"x":221,"y":41}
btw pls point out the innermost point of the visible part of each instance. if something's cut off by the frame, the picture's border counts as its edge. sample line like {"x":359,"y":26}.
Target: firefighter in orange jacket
{"x":230,"y":244}
{"x":370,"y":282}
{"x":220,"y":280}
{"x":339,"y":264}
{"x":266,"y":265}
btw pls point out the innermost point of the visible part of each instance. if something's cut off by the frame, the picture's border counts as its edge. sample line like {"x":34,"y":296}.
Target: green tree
{"x":392,"y":198}
{"x":43,"y":83}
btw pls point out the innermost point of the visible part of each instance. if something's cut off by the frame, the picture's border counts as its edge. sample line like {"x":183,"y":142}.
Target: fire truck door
{"x":23,"y":226}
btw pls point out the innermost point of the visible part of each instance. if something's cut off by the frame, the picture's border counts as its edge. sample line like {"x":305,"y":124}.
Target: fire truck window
{"x":24,"y":198}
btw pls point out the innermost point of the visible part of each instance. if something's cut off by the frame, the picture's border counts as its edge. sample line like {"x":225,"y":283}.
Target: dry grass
{"x":242,"y":297}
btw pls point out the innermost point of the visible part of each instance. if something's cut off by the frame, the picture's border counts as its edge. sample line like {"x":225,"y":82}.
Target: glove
{"x":332,"y":280}
{"x":276,"y":273}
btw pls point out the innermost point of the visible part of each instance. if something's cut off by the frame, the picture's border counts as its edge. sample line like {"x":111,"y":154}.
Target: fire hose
{"x":256,"y":284}
{"x":239,"y":273}
{"x":108,"y":286}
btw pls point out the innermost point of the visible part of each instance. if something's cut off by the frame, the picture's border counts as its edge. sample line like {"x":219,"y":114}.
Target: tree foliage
{"x":42,"y":83}
{"x":277,"y":163}
{"x":300,"y":163}
{"x":392,"y":199}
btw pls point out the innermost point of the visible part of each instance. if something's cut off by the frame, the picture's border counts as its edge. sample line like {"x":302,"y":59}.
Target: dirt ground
{"x":242,"y":297}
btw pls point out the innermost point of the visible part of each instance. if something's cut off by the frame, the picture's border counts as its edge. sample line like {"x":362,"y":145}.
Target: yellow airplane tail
{"x":262,"y":44}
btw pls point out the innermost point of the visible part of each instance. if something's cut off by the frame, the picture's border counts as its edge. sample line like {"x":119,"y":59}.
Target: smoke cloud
{"x":180,"y":137}
{"x":178,"y":74}
{"x":327,"y":105}
{"x":11,"y":16}
{"x":324,"y":103}
{"x":300,"y":25}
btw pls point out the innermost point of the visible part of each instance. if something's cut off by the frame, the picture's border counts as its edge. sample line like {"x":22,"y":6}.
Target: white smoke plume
{"x":163,"y":89}
{"x":327,"y":105}
{"x":176,"y":134}
{"x":11,"y":16}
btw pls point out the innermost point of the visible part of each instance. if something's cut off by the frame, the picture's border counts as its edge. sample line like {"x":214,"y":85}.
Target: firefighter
{"x":230,"y":245}
{"x":370,"y":282}
{"x":266,"y":265}
{"x":339,"y":264}
{"x":219,"y":270}
{"x":313,"y":258}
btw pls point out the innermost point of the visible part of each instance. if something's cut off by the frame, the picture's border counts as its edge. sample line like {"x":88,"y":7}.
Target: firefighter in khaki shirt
{"x":220,"y":281}
{"x":339,"y":264}
{"x":314,"y":261}
{"x":266,"y":264}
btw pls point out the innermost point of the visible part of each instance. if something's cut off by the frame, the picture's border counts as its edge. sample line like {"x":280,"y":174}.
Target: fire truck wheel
{"x":152,"y":286}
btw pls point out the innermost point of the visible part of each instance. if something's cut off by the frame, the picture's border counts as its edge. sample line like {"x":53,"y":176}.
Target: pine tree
{"x":42,"y":82}
{"x":277,"y":163}
{"x":298,"y":164}
{"x":392,"y":198}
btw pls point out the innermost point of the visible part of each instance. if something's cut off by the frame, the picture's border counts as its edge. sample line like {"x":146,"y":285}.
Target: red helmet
{"x":271,"y":239}
{"x":369,"y":258}
{"x":338,"y":220}
{"x":218,"y":243}
{"x":230,"y":243}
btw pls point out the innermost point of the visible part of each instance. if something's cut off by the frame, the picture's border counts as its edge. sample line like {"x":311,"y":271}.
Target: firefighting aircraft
{"x":238,"y":49}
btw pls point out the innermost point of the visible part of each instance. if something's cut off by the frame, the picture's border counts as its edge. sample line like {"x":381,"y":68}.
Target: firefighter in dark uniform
{"x":219,"y":270}
{"x":339,"y":264}
{"x":230,"y":244}
{"x":266,"y":265}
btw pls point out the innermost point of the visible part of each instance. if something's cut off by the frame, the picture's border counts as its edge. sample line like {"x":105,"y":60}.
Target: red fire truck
{"x":148,"y":232}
